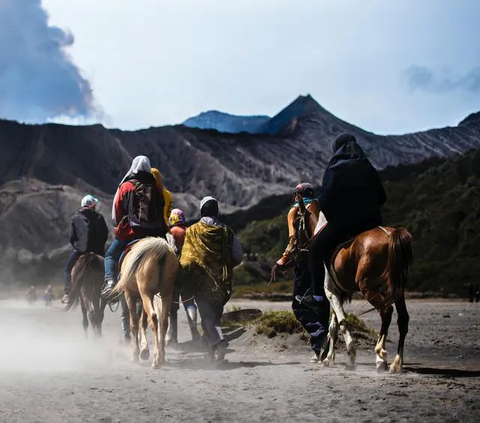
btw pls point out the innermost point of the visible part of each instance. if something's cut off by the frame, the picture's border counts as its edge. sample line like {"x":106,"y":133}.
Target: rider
{"x":210,"y":252}
{"x":351,"y":196}
{"x":302,"y":219}
{"x":167,"y":195}
{"x":88,"y":233}
{"x":137,"y":211}
{"x":178,"y":229}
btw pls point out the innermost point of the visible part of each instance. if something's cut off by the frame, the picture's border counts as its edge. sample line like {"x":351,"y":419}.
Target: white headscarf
{"x":140,"y":163}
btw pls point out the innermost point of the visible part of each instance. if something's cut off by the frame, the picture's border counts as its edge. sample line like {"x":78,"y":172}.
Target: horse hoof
{"x":395,"y":369}
{"x":382,"y":368}
{"x":145,"y":354}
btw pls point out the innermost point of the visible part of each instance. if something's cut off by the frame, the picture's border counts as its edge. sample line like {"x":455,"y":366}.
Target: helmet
{"x":89,"y":201}
{"x":304,"y":189}
{"x":177,"y":218}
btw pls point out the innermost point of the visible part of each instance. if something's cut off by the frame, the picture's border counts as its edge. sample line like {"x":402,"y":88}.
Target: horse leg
{"x":403,"y":319}
{"x":337,"y":306}
{"x":85,"y":316}
{"x":165,"y":311}
{"x":380,"y":352}
{"x":144,"y":351}
{"x":333,"y":335}
{"x":147,"y":299}
{"x":132,"y":309}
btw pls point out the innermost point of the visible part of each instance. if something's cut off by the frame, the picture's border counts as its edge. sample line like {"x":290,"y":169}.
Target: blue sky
{"x":391,"y":66}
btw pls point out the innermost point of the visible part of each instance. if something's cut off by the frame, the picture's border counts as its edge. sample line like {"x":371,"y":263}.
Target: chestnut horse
{"x":87,"y":281}
{"x":376,"y":263}
{"x":149,"y":268}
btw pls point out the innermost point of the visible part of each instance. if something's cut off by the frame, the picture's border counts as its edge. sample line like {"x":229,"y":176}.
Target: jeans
{"x":68,"y":269}
{"x":125,"y":315}
{"x":316,"y":324}
{"x":210,"y":314}
{"x":112,"y":257}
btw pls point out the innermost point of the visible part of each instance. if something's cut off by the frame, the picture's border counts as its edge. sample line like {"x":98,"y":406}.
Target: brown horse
{"x":376,"y":263}
{"x":149,"y":268}
{"x":87,"y":281}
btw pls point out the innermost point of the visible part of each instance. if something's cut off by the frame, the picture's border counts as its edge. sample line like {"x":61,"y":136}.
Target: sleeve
{"x":237,"y":251}
{"x":103,"y":231}
{"x":290,"y":219}
{"x":327,"y":192}
{"x":378,"y":186}
{"x":73,"y":233}
{"x":122,"y":200}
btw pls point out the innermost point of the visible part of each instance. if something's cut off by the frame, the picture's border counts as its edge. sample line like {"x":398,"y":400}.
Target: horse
{"x":87,"y":281}
{"x":148,"y":269}
{"x":376,"y":263}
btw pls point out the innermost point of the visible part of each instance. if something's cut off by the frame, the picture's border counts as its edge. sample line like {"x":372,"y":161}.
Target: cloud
{"x":38,"y":79}
{"x":424,"y":79}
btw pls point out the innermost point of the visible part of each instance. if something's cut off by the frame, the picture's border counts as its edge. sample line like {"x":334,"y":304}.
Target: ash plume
{"x":38,"y":80}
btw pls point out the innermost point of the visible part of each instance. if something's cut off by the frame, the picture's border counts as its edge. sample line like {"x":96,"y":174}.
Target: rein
{"x":179,"y":302}
{"x":110,"y":306}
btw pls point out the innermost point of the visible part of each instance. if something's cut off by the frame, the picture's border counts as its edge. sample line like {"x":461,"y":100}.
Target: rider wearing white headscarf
{"x":139,"y":164}
{"x":128,"y":225}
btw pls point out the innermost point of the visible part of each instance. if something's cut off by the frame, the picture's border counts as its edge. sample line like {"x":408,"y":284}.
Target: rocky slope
{"x":239,"y":169}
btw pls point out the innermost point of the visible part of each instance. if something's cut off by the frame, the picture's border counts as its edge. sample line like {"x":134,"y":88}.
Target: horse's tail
{"x":148,"y":248}
{"x":400,"y":259}
{"x":85,"y":264}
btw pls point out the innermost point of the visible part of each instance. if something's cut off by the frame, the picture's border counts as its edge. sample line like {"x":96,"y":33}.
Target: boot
{"x":192,"y":322}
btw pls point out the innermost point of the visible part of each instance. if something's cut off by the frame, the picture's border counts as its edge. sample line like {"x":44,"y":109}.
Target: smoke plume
{"x":38,"y":80}
{"x":423,"y":78}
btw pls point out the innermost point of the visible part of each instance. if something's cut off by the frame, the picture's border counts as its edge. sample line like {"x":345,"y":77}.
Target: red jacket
{"x":178,"y":233}
{"x":123,"y":231}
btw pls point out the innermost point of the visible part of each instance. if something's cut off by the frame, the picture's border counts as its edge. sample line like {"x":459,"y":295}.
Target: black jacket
{"x":88,"y":232}
{"x":352,"y":191}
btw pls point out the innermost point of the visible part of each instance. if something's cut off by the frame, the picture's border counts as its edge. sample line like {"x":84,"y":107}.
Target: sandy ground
{"x":49,"y":372}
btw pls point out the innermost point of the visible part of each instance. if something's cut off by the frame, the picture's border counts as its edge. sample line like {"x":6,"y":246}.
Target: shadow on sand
{"x":442,"y":372}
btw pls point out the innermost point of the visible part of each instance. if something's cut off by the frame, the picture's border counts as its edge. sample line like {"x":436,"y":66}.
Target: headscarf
{"x":177,"y":218}
{"x":304,"y":189}
{"x":139,"y":164}
{"x":209,"y":207}
{"x":89,"y":202}
{"x":158,"y":177}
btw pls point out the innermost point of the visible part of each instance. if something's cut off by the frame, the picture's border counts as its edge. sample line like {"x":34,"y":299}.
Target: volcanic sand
{"x":50,"y":373}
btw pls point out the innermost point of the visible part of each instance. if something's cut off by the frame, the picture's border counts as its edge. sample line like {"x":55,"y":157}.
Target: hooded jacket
{"x":352,"y":192}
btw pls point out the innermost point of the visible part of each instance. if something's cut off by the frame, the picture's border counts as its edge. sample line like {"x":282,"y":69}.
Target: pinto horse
{"x":149,"y":268}
{"x":376,"y":263}
{"x":87,"y":281}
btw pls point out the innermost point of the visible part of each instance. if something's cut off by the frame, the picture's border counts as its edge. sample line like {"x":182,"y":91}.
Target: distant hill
{"x":438,"y":200}
{"x":224,"y":122}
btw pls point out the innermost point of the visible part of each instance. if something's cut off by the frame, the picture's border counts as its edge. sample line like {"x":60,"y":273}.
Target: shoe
{"x":65,"y":299}
{"x":107,"y":292}
{"x":315,"y":358}
{"x":310,"y":302}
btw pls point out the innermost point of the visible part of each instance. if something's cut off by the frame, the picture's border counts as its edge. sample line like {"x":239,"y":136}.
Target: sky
{"x":389,"y":67}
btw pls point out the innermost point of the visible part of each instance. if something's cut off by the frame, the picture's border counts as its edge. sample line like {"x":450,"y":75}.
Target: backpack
{"x":301,"y":236}
{"x":145,"y":206}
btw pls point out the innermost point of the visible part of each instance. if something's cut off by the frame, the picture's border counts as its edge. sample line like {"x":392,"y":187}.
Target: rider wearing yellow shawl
{"x":167,"y":195}
{"x":210,"y":252}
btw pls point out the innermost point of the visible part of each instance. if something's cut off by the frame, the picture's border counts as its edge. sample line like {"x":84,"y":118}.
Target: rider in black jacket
{"x":351,"y":196}
{"x":88,"y":234}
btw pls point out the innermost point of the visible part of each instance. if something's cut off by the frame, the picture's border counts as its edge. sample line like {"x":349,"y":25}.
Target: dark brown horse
{"x":87,"y":281}
{"x":376,"y":263}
